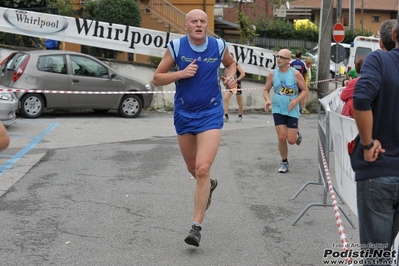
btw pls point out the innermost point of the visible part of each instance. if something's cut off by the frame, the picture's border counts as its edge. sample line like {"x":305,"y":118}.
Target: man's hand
{"x":268,"y":103}
{"x":190,"y":70}
{"x":372,"y":154}
{"x":292,"y":104}
{"x":228,"y":82}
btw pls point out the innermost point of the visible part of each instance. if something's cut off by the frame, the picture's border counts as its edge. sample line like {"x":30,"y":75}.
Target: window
{"x":346,"y":21}
{"x":82,"y":2}
{"x":13,"y":62}
{"x":375,"y":18}
{"x":83,"y":66}
{"x":52,"y":63}
{"x":361,"y":52}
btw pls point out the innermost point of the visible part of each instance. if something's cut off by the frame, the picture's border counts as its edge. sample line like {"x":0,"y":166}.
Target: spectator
{"x":386,"y":41}
{"x":352,"y":74}
{"x":239,"y":76}
{"x":374,"y":153}
{"x":346,"y":94}
{"x":386,"y":44}
{"x":299,"y":65}
{"x":308,"y":79}
{"x":308,"y":76}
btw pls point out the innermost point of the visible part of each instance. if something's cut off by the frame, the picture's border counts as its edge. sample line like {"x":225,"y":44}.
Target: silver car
{"x":75,"y":80}
{"x":8,"y":107}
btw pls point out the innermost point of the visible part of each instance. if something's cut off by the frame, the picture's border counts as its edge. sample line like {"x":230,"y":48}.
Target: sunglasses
{"x":281,"y":57}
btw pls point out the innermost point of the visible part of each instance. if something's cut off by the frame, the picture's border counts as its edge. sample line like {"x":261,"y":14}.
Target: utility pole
{"x":352,"y":16}
{"x":362,"y":13}
{"x":324,"y":51}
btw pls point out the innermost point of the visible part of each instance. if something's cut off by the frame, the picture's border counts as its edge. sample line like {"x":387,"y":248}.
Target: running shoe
{"x":239,"y":119}
{"x":299,"y":139}
{"x":305,"y":111}
{"x":226,"y":119}
{"x":194,"y":236}
{"x":284,"y":167}
{"x":214,"y":184}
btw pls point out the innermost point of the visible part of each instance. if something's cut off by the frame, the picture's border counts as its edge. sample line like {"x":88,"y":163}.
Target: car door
{"x":88,"y":76}
{"x":50,"y":73}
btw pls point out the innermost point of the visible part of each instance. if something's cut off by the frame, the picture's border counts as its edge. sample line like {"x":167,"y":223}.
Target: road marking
{"x":26,"y":149}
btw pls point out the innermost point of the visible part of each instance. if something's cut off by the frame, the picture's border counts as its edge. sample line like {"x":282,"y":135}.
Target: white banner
{"x":118,"y":37}
{"x":343,"y":130}
{"x":332,"y":102}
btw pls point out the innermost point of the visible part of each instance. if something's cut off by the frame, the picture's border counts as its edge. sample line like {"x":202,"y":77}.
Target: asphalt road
{"x":87,"y":189}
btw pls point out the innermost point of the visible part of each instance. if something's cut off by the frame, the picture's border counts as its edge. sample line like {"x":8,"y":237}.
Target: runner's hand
{"x":190,"y":70}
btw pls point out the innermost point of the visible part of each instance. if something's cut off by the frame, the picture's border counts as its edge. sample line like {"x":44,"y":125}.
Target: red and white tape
{"x":337,"y":213}
{"x":85,"y":92}
{"x":6,"y":89}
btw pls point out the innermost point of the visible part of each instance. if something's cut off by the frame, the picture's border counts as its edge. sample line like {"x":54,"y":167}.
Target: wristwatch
{"x":367,"y":147}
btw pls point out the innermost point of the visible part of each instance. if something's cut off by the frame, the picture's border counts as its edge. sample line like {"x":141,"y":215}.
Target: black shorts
{"x":289,"y":121}
{"x":239,"y":91}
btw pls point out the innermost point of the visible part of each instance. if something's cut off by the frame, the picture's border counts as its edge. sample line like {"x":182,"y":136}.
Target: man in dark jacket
{"x":375,"y":154}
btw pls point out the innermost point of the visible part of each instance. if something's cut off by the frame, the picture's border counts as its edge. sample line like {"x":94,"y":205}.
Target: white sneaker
{"x":284,"y":167}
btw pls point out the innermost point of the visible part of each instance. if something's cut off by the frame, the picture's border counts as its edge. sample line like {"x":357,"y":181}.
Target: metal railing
{"x":170,"y":15}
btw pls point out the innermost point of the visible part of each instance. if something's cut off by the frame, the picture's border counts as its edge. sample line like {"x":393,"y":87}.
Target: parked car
{"x":90,"y":84}
{"x":8,"y":107}
{"x":343,"y":57}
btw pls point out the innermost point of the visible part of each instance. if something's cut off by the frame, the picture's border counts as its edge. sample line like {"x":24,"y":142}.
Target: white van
{"x":361,"y":47}
{"x":312,"y":53}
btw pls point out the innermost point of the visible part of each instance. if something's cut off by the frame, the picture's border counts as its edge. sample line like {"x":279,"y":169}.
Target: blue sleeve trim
{"x":174,"y":47}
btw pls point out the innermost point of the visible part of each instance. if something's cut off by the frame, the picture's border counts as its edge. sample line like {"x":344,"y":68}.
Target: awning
{"x":224,"y":27}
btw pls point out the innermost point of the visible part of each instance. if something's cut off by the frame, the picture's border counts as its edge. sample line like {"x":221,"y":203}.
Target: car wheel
{"x":32,"y":105}
{"x":101,"y":111}
{"x":130,"y":106}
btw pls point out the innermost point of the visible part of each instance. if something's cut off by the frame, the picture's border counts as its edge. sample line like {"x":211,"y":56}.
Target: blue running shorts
{"x":184,"y":125}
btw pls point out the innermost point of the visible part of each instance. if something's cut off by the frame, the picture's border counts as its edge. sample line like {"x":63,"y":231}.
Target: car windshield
{"x":313,"y":51}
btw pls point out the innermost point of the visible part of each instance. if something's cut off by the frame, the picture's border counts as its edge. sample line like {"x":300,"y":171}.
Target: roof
{"x":383,"y":5}
{"x":225,"y":24}
{"x":223,"y":27}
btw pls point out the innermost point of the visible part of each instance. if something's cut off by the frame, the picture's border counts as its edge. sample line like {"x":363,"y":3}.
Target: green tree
{"x":247,"y":29}
{"x":124,"y":12}
{"x":349,"y":36}
{"x":274,"y":28}
{"x":64,"y":7}
{"x":21,"y":4}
